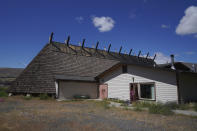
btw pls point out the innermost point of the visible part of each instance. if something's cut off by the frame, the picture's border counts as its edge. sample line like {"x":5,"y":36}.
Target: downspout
{"x":177,"y":78}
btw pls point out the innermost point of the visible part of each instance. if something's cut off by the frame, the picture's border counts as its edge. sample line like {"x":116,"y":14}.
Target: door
{"x":103,"y":91}
{"x":68,"y":89}
{"x":134,"y":92}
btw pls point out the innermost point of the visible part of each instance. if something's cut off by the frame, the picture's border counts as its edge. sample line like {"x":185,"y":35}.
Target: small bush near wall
{"x":117,"y":100}
{"x":81,"y":97}
{"x":142,"y":104}
{"x":3,"y":92}
{"x":104,"y":104}
{"x":160,"y":109}
{"x":44,"y":96}
{"x":195,"y":106}
{"x":27,"y":97}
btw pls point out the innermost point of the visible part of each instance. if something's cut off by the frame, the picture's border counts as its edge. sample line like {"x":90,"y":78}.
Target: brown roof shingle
{"x":59,"y":59}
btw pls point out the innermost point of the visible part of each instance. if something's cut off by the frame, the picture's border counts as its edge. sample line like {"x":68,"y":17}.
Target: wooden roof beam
{"x":109,"y":48}
{"x":139,"y":53}
{"x":154,"y":57}
{"x":147,"y":55}
{"x":83,"y":43}
{"x":67,"y":41}
{"x":130,"y":52}
{"x":51,"y":37}
{"x":120,"y":50}
{"x":97,"y":45}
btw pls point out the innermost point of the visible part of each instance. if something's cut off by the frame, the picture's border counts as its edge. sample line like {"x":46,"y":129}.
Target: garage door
{"x":67,"y":89}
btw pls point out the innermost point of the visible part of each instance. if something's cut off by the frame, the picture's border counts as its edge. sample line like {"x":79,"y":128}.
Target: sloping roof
{"x":181,"y":66}
{"x":59,"y":59}
{"x":92,"y":52}
{"x":10,"y":72}
{"x":75,"y":78}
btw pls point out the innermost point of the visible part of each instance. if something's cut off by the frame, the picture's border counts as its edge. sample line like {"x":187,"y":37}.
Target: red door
{"x":103,"y":91}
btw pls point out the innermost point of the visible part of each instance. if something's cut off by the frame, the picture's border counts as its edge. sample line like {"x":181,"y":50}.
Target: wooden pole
{"x":97,"y":45}
{"x":109,"y":48}
{"x":83,"y":43}
{"x":68,"y":40}
{"x":139,"y":53}
{"x":147,"y":55}
{"x":130,"y":51}
{"x":51,"y":38}
{"x":120,"y":50}
{"x":154,"y":57}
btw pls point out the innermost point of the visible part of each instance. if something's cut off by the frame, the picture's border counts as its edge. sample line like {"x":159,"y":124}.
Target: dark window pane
{"x":146,"y":91}
{"x":124,"y":69}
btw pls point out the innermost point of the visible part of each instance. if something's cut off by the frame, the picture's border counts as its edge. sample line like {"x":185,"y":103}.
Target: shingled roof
{"x":182,"y":66}
{"x":59,"y":59}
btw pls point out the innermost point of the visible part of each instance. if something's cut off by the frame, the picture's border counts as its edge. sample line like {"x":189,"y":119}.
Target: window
{"x":124,"y":69}
{"x":147,"y":91}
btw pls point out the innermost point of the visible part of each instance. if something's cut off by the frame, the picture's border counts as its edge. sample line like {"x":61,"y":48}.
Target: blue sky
{"x":157,"y":26}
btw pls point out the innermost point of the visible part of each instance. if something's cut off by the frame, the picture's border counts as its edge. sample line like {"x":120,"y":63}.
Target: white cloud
{"x":190,"y":53}
{"x":79,"y":19}
{"x":188,"y":23}
{"x":161,"y":58}
{"x":103,"y":24}
{"x":165,"y":26}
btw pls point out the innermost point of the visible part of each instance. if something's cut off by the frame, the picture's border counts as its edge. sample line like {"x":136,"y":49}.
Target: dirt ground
{"x":27,"y":115}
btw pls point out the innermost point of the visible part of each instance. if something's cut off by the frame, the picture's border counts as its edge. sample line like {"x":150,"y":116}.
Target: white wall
{"x":118,"y":83}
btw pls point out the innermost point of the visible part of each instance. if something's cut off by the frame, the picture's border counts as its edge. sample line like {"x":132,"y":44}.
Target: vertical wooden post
{"x":130,"y":51}
{"x":97,"y":45}
{"x":139,"y":53}
{"x":154,"y":57}
{"x":51,"y":38}
{"x":68,"y":40}
{"x":83,"y":43}
{"x":109,"y":48}
{"x":120,"y":50}
{"x":147,"y":55}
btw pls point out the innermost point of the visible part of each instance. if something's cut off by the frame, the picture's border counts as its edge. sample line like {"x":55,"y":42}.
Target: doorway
{"x":134,"y":92}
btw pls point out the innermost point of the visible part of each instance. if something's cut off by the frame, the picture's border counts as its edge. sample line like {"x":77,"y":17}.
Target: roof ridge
{"x":104,"y":51}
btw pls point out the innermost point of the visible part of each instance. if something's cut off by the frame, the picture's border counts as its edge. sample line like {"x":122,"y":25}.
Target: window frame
{"x":139,"y":90}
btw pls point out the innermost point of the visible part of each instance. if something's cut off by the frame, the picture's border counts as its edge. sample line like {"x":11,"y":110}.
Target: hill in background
{"x":8,"y":75}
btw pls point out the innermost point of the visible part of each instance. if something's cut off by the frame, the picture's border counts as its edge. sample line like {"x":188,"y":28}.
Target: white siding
{"x":118,"y":83}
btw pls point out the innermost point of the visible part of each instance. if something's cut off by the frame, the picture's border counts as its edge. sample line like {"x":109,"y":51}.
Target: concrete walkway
{"x":185,"y":112}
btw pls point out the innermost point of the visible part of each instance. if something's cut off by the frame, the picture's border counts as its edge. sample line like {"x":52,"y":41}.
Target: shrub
{"x":3,"y":92}
{"x":172,"y":105}
{"x":195,"y":106}
{"x":160,"y":109}
{"x":27,"y":97}
{"x":104,"y":104}
{"x":44,"y":96}
{"x":81,"y":97}
{"x":142,"y":104}
{"x":123,"y":104}
{"x":137,"y":108}
{"x":116,"y":100}
{"x":183,"y":106}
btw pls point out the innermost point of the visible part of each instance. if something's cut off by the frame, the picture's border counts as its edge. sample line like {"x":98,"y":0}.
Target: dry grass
{"x":19,"y":114}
